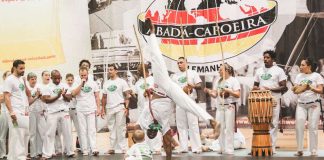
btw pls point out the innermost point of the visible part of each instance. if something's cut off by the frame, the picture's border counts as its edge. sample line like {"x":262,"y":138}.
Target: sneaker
{"x":299,"y":154}
{"x":85,"y":153}
{"x":95,"y":153}
{"x":71,"y":156}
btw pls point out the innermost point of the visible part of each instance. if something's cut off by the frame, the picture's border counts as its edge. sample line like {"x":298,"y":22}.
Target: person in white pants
{"x":34,"y":110}
{"x":17,"y":102}
{"x":115,"y":100}
{"x":69,"y":78}
{"x":308,"y":106}
{"x":161,"y":103}
{"x":3,"y":120}
{"x":273,"y":78}
{"x":41,"y":117}
{"x":227,"y":91}
{"x":187,"y":123}
{"x":56,"y":96}
{"x":143,"y":102}
{"x":88,"y":105}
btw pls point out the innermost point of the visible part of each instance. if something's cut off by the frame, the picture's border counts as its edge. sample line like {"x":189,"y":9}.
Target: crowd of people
{"x":38,"y":113}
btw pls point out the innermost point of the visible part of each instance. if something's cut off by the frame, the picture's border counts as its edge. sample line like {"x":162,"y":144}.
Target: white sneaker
{"x":85,"y":153}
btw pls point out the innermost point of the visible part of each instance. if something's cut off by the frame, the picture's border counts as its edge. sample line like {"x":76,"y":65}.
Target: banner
{"x":30,"y":31}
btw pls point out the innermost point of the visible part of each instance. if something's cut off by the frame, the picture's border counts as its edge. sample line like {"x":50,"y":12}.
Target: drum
{"x":260,"y":109}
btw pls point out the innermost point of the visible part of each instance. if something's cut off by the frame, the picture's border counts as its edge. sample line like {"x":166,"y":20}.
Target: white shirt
{"x":52,"y":91}
{"x":42,"y":88}
{"x":139,"y":151}
{"x":270,"y":77}
{"x":230,"y":83}
{"x":36,"y":106}
{"x":114,"y":90}
{"x":86,"y":100}
{"x":15,"y":86}
{"x":181,"y":79}
{"x":139,"y":90}
{"x":313,"y":80}
{"x":73,"y":102}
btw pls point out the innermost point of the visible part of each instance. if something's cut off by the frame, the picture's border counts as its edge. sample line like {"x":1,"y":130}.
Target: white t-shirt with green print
{"x":114,"y":90}
{"x":86,"y":100}
{"x":181,"y":79}
{"x":36,"y":106}
{"x":313,"y":80}
{"x":52,"y":90}
{"x":270,"y":77}
{"x":139,"y":90}
{"x":15,"y":86}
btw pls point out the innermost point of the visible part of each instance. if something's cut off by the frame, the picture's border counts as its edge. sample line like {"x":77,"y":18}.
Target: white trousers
{"x":74,"y":119}
{"x":117,"y":129}
{"x":275,"y":124}
{"x":188,"y":125}
{"x":226,"y":116}
{"x":18,"y":141}
{"x":173,"y":90}
{"x":312,"y":111}
{"x":53,"y":121}
{"x":87,"y":126}
{"x":3,"y":133}
{"x":37,"y":129}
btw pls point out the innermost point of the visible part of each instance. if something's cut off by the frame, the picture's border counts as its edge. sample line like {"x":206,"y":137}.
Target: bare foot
{"x":216,"y":126}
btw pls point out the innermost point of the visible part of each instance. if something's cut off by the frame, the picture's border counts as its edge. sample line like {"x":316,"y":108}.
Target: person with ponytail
{"x":308,"y":106}
{"x":227,"y":92}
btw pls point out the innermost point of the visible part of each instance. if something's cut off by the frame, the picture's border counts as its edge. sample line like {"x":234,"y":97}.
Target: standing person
{"x":187,"y":123}
{"x":88,"y":104}
{"x":17,"y":103}
{"x":56,"y":96}
{"x":34,"y":110}
{"x":85,"y":64}
{"x":69,"y":78}
{"x":143,"y":102}
{"x":42,"y":124}
{"x":273,"y":78}
{"x":228,"y":88}
{"x":115,"y":100}
{"x":3,"y":120}
{"x":308,"y":86}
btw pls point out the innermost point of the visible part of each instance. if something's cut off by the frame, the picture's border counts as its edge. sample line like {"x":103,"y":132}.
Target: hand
{"x":126,"y":111}
{"x":255,"y":88}
{"x":64,"y":91}
{"x":103,"y":114}
{"x":148,"y":92}
{"x":98,"y":113}
{"x":188,"y":89}
{"x":38,"y":94}
{"x":265,"y":88}
{"x":224,"y":94}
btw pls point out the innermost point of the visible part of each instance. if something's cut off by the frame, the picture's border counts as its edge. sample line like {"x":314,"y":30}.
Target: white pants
{"x":226,"y":116}
{"x":74,"y":119}
{"x":3,"y":133}
{"x":117,"y":128}
{"x":188,"y":123}
{"x":275,"y":123}
{"x":37,"y":128}
{"x":87,"y":126}
{"x":173,"y":90}
{"x":58,"y":139}
{"x":53,"y":121}
{"x":18,"y":141}
{"x":312,"y":111}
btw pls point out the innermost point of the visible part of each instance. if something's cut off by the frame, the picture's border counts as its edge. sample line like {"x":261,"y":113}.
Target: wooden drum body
{"x":260,"y":115}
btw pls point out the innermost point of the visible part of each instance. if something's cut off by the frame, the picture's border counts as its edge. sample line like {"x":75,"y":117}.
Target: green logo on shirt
{"x":86,"y":89}
{"x":22,"y":87}
{"x":266,"y":76}
{"x":143,"y":86}
{"x":182,"y":80}
{"x":57,"y":90}
{"x":112,"y":88}
{"x":306,"y":81}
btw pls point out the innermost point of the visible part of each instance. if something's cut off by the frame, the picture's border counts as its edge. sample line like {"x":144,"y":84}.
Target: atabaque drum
{"x":260,"y":108}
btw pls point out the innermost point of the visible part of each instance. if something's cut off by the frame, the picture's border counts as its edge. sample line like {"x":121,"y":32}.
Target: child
{"x":140,"y":150}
